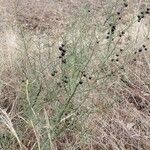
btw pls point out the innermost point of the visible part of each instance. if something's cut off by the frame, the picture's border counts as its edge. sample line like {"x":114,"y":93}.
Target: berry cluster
{"x":142,"y":14}
{"x":117,"y":56}
{"x":84,"y":75}
{"x":59,"y":84}
{"x":54,"y":73}
{"x":65,"y":79}
{"x":143,"y":47}
{"x":113,"y":28}
{"x":147,"y":11}
{"x":63,"y":53}
{"x":122,"y":33}
{"x":118,"y":13}
{"x":125,"y":3}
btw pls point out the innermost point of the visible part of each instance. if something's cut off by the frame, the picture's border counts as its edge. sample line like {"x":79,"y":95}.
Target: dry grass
{"x":75,"y":75}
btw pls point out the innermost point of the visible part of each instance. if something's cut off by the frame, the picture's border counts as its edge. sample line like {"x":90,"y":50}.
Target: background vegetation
{"x":75,"y":75}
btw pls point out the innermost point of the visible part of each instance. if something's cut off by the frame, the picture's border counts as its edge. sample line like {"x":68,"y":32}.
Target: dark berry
{"x":125,"y":5}
{"x":147,"y":12}
{"x":114,"y":27}
{"x":121,"y":50}
{"x":59,"y":84}
{"x":89,"y":11}
{"x":65,"y":77}
{"x":84,"y":75}
{"x":62,"y":45}
{"x":139,"y":17}
{"x":80,"y":82}
{"x":64,"y":61}
{"x":118,"y":13}
{"x":65,"y":81}
{"x":107,"y":37}
{"x":145,"y":49}
{"x":122,"y":32}
{"x":140,"y":50}
{"x":117,"y":55}
{"x":60,"y":57}
{"x":64,"y":51}
{"x":53,"y":74}
{"x":61,"y":48}
{"x":62,"y":54}
{"x":90,"y":78}
{"x":112,"y":30}
{"x":117,"y":59}
{"x":122,"y":68}
{"x":144,"y":45}
{"x":134,"y":59}
{"x":112,"y":60}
